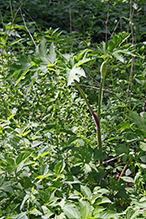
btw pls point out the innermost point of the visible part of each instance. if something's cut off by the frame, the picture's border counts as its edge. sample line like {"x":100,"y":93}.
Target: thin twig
{"x":122,"y":172}
{"x":114,"y":158}
{"x":130,"y":79}
{"x":27,"y":28}
{"x":15,"y":17}
{"x":112,"y":92}
{"x":106,"y":90}
{"x":106,"y":23}
{"x":115,"y":29}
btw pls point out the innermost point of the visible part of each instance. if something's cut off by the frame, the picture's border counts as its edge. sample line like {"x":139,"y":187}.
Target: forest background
{"x":72,"y":109}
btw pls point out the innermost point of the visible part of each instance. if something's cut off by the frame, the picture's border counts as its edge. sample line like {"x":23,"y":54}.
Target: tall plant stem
{"x":99,"y":110}
{"x":83,"y":95}
{"x":92,"y":113}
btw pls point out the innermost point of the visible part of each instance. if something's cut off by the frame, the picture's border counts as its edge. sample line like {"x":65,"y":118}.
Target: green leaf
{"x":35,"y":143}
{"x":26,"y":197}
{"x":103,"y":200}
{"x":87,"y":168}
{"x":98,"y":209}
{"x":117,"y":56}
{"x":81,"y":55}
{"x":74,"y":74}
{"x":143,"y":146}
{"x":61,"y":216}
{"x":52,"y":54}
{"x":124,"y":126}
{"x":127,"y":179}
{"x":143,"y":159}
{"x":108,"y":214}
{"x":131,"y":213}
{"x":83,"y":61}
{"x":6,"y":187}
{"x":85,"y":209}
{"x":22,"y":215}
{"x":71,"y":212}
{"x":22,"y":156}
{"x":48,"y":213}
{"x":86,"y":192}
{"x":24,"y":73}
{"x":42,"y":53}
{"x":44,"y":176}
{"x":59,"y":167}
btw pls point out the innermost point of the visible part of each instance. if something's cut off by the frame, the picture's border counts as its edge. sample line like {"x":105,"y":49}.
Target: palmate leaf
{"x":43,"y":54}
{"x":73,"y":63}
{"x":74,"y":74}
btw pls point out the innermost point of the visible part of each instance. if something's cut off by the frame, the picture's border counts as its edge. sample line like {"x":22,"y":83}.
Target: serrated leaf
{"x":42,"y":53}
{"x":74,"y":74}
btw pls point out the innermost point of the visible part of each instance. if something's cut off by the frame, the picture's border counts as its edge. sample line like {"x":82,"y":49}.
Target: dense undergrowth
{"x":51,"y":165}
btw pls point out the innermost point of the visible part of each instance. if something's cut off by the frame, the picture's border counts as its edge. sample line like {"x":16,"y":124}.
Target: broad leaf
{"x":86,"y":192}
{"x":71,"y":212}
{"x":74,"y":74}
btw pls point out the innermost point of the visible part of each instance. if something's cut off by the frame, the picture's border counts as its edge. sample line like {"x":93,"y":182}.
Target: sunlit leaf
{"x":71,"y":212}
{"x":74,"y":74}
{"x":86,"y":192}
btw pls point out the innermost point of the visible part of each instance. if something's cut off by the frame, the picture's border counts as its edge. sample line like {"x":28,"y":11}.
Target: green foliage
{"x":50,"y":161}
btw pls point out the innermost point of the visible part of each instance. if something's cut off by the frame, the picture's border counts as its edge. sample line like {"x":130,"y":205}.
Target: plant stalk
{"x":99,"y":110}
{"x":96,"y":119}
